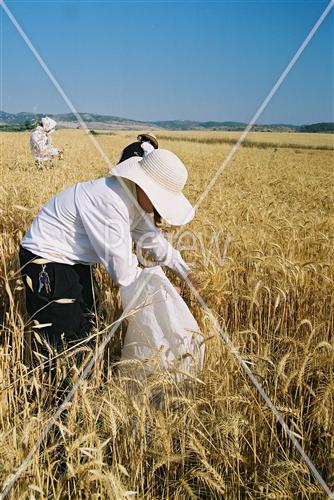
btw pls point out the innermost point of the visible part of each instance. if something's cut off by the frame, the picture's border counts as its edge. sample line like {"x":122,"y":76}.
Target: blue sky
{"x":151,"y":60}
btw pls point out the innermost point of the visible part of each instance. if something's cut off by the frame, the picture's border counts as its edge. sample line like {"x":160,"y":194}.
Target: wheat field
{"x":212,"y":437}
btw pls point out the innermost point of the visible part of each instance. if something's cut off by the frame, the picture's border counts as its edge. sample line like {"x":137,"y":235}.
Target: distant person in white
{"x":97,"y":221}
{"x":41,"y":143}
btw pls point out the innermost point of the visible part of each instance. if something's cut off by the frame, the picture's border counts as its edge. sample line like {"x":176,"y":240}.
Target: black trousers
{"x":46,"y":284}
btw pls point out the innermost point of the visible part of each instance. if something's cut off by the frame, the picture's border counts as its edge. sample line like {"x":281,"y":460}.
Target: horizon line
{"x":169,"y":120}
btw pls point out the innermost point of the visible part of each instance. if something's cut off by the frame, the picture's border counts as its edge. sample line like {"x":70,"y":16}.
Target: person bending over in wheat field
{"x":97,"y":221}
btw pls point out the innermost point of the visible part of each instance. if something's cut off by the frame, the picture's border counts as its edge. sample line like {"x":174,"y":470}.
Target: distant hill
{"x":21,"y":121}
{"x":24,"y":121}
{"x":317,"y":127}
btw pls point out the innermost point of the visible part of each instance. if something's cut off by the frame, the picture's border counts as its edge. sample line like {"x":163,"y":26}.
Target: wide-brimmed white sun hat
{"x":162,"y":176}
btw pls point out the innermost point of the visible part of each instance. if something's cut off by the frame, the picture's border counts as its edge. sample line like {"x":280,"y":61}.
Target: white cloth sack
{"x":163,"y":334}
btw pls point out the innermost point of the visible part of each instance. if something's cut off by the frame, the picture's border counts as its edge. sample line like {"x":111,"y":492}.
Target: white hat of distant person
{"x":162,"y":176}
{"x":48,"y":124}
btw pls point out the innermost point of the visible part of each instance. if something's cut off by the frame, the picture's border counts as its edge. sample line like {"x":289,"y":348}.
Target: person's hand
{"x":178,"y":289}
{"x":194,"y":280}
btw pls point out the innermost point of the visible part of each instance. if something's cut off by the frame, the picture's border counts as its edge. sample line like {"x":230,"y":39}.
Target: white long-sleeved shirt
{"x":41,"y":145}
{"x":97,"y":221}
